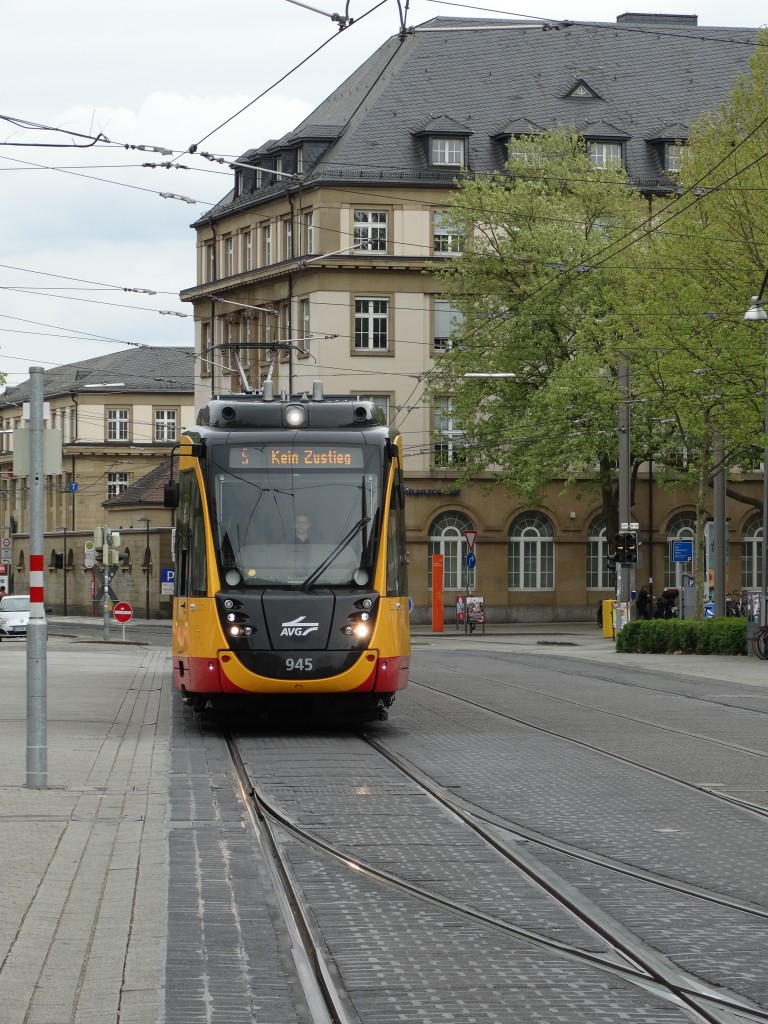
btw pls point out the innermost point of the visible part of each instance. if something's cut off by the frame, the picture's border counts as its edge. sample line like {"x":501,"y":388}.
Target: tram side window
{"x":192,"y":580}
{"x":397,"y":571}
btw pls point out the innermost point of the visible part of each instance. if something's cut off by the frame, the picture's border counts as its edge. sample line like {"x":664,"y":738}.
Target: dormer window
{"x":673,"y":154}
{"x":447,"y":151}
{"x":605,"y":154}
{"x":581,"y":91}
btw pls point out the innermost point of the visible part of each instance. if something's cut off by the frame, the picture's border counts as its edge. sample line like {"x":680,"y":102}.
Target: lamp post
{"x":147,"y":563}
{"x":64,"y":566}
{"x":757,"y":311}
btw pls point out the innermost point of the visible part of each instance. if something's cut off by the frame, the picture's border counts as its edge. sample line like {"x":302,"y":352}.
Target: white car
{"x":14,"y":615}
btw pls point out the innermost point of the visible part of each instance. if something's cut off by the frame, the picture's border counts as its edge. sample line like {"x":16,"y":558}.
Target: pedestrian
{"x":2,"y":593}
{"x":643,"y":603}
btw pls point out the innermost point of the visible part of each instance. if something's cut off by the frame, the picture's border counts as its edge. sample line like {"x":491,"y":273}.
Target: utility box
{"x":608,"y":609}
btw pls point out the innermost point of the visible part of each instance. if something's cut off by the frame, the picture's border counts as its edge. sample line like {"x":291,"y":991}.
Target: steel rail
{"x":636,"y":965}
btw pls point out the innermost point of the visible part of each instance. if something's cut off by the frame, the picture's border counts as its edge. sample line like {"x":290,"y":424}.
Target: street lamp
{"x":147,"y":563}
{"x":64,"y":565}
{"x":757,"y":311}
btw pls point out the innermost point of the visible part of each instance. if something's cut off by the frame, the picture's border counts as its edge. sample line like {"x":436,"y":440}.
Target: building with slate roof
{"x":119,"y":416}
{"x":315,"y":264}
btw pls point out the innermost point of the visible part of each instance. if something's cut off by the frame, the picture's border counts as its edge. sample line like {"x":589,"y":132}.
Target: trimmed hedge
{"x":683,"y":636}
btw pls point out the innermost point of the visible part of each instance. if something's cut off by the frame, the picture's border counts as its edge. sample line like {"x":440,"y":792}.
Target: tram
{"x":290,"y":561}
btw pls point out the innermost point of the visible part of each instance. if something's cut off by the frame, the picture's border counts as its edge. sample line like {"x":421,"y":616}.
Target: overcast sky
{"x":168,"y":73}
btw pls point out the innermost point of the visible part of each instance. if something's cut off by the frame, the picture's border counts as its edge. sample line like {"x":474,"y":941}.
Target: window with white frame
{"x":165,"y":424}
{"x":447,"y":538}
{"x":304,"y":327}
{"x":246,"y":339}
{"x":309,"y":232}
{"x":298,"y":160}
{"x":447,"y":319}
{"x":447,"y":152}
{"x":288,"y":239}
{"x":266,"y":244}
{"x":205,"y":349}
{"x":209,"y":262}
{"x":533,"y":156}
{"x":446,"y":236}
{"x":673,"y":154}
{"x":118,"y":424}
{"x":370,"y":230}
{"x":247,"y":253}
{"x":449,"y":441}
{"x":277,"y":163}
{"x":605,"y":154}
{"x":116,"y":483}
{"x":229,"y":255}
{"x":531,"y":553}
{"x":599,"y":576}
{"x":752,"y":553}
{"x":371,"y":325}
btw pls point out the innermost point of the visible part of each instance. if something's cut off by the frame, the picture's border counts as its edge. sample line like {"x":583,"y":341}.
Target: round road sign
{"x":122,"y":611}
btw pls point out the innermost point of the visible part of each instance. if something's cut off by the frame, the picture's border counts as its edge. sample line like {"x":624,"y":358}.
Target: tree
{"x":707,"y":253}
{"x":531,"y":305}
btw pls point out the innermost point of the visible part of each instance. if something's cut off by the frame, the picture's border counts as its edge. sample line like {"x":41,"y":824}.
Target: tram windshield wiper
{"x":343,"y":543}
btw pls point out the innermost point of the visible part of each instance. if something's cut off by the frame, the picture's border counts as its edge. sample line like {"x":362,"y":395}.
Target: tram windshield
{"x":302,"y":515}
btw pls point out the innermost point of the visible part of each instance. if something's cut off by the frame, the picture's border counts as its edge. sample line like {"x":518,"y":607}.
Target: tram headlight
{"x":362,"y":630}
{"x":295,"y":416}
{"x":235,"y":630}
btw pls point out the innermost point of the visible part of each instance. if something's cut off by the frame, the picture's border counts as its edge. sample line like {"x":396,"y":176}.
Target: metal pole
{"x":763,"y":610}
{"x":65,"y":566}
{"x":107,"y":549}
{"x":721,"y":528}
{"x":148,"y":556}
{"x":37,"y":629}
{"x":623,"y":571}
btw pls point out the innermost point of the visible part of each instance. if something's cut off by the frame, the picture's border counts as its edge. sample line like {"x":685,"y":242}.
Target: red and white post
{"x":37,"y":629}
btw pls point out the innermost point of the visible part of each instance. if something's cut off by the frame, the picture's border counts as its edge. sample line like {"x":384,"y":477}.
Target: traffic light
{"x":626,"y":548}
{"x":98,"y":543}
{"x":630,"y":547}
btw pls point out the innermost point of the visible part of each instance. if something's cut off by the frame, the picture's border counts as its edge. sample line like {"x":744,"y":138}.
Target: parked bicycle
{"x":760,"y":643}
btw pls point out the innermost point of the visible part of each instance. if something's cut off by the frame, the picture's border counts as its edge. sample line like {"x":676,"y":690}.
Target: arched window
{"x":446,"y":538}
{"x":599,"y":576}
{"x":531,"y":559}
{"x":681,"y":527}
{"x":752,"y":553}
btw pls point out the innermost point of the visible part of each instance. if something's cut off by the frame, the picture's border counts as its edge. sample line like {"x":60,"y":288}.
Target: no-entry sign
{"x":122,"y":611}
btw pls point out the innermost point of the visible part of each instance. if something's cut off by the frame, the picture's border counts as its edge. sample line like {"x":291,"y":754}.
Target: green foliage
{"x":683,"y":636}
{"x":531,"y":308}
{"x":565,"y":274}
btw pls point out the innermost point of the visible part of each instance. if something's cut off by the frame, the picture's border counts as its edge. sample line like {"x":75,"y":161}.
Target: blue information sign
{"x":682,"y":550}
{"x":471,"y":560}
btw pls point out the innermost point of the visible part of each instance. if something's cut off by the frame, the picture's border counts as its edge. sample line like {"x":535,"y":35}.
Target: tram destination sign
{"x":289,"y":456}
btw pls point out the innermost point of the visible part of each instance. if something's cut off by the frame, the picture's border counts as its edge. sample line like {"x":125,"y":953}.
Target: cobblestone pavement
{"x":83,"y":911}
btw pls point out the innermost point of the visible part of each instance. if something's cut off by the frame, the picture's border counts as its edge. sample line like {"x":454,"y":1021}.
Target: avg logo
{"x":299,"y":627}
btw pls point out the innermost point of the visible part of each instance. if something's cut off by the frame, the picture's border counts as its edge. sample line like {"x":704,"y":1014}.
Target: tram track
{"x":630,"y":958}
{"x":759,"y":809}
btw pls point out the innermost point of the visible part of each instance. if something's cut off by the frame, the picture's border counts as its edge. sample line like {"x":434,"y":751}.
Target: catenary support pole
{"x":37,"y":629}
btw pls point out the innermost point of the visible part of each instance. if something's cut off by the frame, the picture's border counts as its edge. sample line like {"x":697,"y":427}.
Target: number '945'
{"x":298,"y":664}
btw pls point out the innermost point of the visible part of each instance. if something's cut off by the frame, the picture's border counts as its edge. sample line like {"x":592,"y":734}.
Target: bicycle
{"x":760,"y":643}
